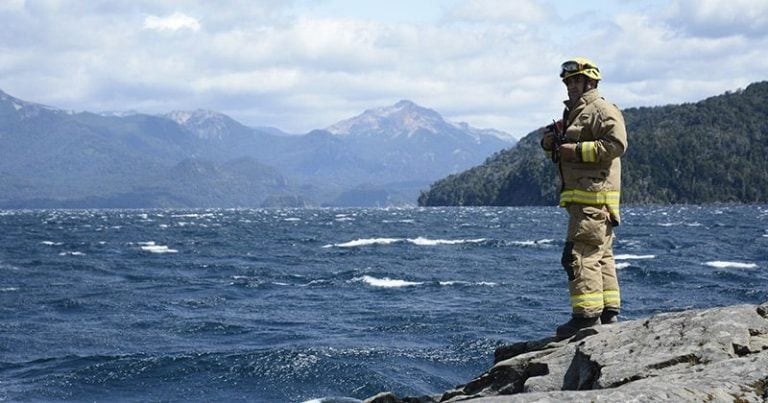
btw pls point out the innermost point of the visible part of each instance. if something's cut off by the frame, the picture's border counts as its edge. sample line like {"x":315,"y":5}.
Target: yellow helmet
{"x":580,"y":65}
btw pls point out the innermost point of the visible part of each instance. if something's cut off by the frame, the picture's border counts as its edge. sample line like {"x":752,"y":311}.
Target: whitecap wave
{"x":680,"y":223}
{"x":365,"y":242}
{"x":421,"y":241}
{"x":624,"y":265}
{"x":51,"y":243}
{"x":315,"y":282}
{"x":532,"y":243}
{"x":192,"y":215}
{"x":468,"y":283}
{"x":344,"y":217}
{"x":71,"y":253}
{"x":418,"y":241}
{"x":152,"y":247}
{"x":448,"y":283}
{"x":386,"y":282}
{"x":488,"y":283}
{"x":730,"y":265}
{"x":633,"y":257}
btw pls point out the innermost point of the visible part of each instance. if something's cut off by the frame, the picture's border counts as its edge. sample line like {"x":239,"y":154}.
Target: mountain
{"x":207,"y":125}
{"x":55,"y":158}
{"x":706,"y":152}
{"x":407,"y":119}
{"x":17,"y":109}
{"x":393,"y":152}
{"x":409,"y":143}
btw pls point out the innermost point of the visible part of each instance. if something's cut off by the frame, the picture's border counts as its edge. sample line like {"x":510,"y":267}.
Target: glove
{"x":548,"y":138}
{"x":548,"y":141}
{"x":569,"y":152}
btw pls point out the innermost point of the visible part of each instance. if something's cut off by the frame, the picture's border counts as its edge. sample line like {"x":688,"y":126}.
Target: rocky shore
{"x":711,"y":355}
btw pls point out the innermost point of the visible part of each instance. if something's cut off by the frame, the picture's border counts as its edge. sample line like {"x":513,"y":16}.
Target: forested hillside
{"x":715,"y":150}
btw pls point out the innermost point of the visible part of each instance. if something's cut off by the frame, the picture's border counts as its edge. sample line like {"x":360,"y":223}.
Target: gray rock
{"x":384,"y":397}
{"x":713,"y":355}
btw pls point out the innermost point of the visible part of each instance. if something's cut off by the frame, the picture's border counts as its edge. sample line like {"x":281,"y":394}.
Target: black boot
{"x":609,"y":316}
{"x":576,"y":323}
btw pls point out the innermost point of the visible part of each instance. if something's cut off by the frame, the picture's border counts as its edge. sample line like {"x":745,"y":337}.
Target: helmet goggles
{"x":579,"y":66}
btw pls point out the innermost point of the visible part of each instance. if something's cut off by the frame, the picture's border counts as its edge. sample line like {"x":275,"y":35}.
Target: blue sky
{"x":300,"y":65}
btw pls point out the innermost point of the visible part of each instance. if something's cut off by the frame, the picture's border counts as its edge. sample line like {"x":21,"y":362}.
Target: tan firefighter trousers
{"x":588,"y":261}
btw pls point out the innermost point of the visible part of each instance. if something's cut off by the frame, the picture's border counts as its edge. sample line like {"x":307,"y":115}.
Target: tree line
{"x":712,"y":151}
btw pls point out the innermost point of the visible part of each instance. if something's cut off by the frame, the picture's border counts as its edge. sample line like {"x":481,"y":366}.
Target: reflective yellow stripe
{"x":588,"y":151}
{"x":584,"y":197}
{"x":610,"y":199}
{"x":611,"y":297}
{"x":587,"y":300}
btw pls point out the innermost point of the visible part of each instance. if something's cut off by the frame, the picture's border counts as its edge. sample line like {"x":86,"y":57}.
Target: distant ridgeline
{"x":712,"y":151}
{"x":52,"y":158}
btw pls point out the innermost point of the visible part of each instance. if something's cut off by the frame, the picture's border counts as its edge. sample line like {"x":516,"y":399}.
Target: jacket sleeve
{"x":610,"y":136}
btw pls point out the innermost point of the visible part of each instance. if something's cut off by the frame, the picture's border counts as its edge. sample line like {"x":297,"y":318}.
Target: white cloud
{"x":293,"y":65}
{"x":174,"y":22}
{"x":654,"y":59}
{"x":519,"y":11}
{"x":719,"y":18}
{"x":12,"y":5}
{"x":257,"y":81}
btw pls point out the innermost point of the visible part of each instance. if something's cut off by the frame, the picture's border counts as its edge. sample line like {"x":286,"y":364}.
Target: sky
{"x":300,"y":65}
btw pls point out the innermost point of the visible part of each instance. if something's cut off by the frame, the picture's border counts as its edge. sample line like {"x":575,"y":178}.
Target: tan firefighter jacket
{"x":597,"y":127}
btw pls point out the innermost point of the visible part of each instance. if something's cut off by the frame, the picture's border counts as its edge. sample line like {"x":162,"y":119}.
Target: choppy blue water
{"x":291,"y":305}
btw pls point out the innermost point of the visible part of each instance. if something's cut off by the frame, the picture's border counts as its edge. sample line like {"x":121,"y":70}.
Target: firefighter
{"x":587,"y":145}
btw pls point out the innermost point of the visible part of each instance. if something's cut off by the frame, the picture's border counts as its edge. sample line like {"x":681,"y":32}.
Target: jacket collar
{"x":586,"y":99}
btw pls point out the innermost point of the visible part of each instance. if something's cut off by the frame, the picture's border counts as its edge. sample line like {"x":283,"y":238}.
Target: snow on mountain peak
{"x":405,"y":118}
{"x":402,"y":118}
{"x":28,"y":109}
{"x":196,"y":116}
{"x":203,"y":123}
